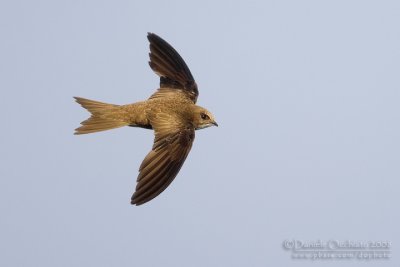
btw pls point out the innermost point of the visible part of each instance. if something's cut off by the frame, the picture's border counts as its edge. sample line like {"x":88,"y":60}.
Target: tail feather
{"x":104,"y":116}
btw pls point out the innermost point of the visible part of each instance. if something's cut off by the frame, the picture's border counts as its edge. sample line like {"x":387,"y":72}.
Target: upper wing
{"x":172,"y":144}
{"x":172,"y":69}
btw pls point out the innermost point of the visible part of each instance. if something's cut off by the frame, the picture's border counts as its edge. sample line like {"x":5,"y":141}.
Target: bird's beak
{"x":215,"y":123}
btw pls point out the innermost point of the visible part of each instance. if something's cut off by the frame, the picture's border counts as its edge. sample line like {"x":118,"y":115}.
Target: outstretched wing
{"x":172,"y":69}
{"x":172,"y":143}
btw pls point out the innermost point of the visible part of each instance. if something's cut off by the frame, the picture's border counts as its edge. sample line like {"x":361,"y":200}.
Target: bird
{"x":171,"y":112}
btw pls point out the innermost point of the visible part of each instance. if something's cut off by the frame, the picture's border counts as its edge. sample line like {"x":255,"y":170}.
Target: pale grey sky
{"x":306,"y":94}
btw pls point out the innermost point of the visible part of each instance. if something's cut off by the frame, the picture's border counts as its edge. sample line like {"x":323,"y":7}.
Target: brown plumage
{"x":171,"y":111}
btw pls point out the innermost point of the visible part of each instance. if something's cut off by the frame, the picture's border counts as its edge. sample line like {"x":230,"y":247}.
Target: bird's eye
{"x":204,"y":116}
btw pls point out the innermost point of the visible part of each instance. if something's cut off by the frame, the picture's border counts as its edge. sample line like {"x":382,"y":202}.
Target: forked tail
{"x":104,"y":116}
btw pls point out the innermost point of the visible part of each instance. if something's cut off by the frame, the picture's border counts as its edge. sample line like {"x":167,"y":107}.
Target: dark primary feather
{"x":169,"y":65}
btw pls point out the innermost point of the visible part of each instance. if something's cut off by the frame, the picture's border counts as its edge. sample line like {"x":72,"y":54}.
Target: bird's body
{"x":171,"y":111}
{"x":140,"y":112}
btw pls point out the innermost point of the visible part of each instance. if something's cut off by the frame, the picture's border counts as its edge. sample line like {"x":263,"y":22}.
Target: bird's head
{"x":203,"y":118}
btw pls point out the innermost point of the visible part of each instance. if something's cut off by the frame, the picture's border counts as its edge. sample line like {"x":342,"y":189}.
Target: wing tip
{"x":152,"y":37}
{"x":135,"y":201}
